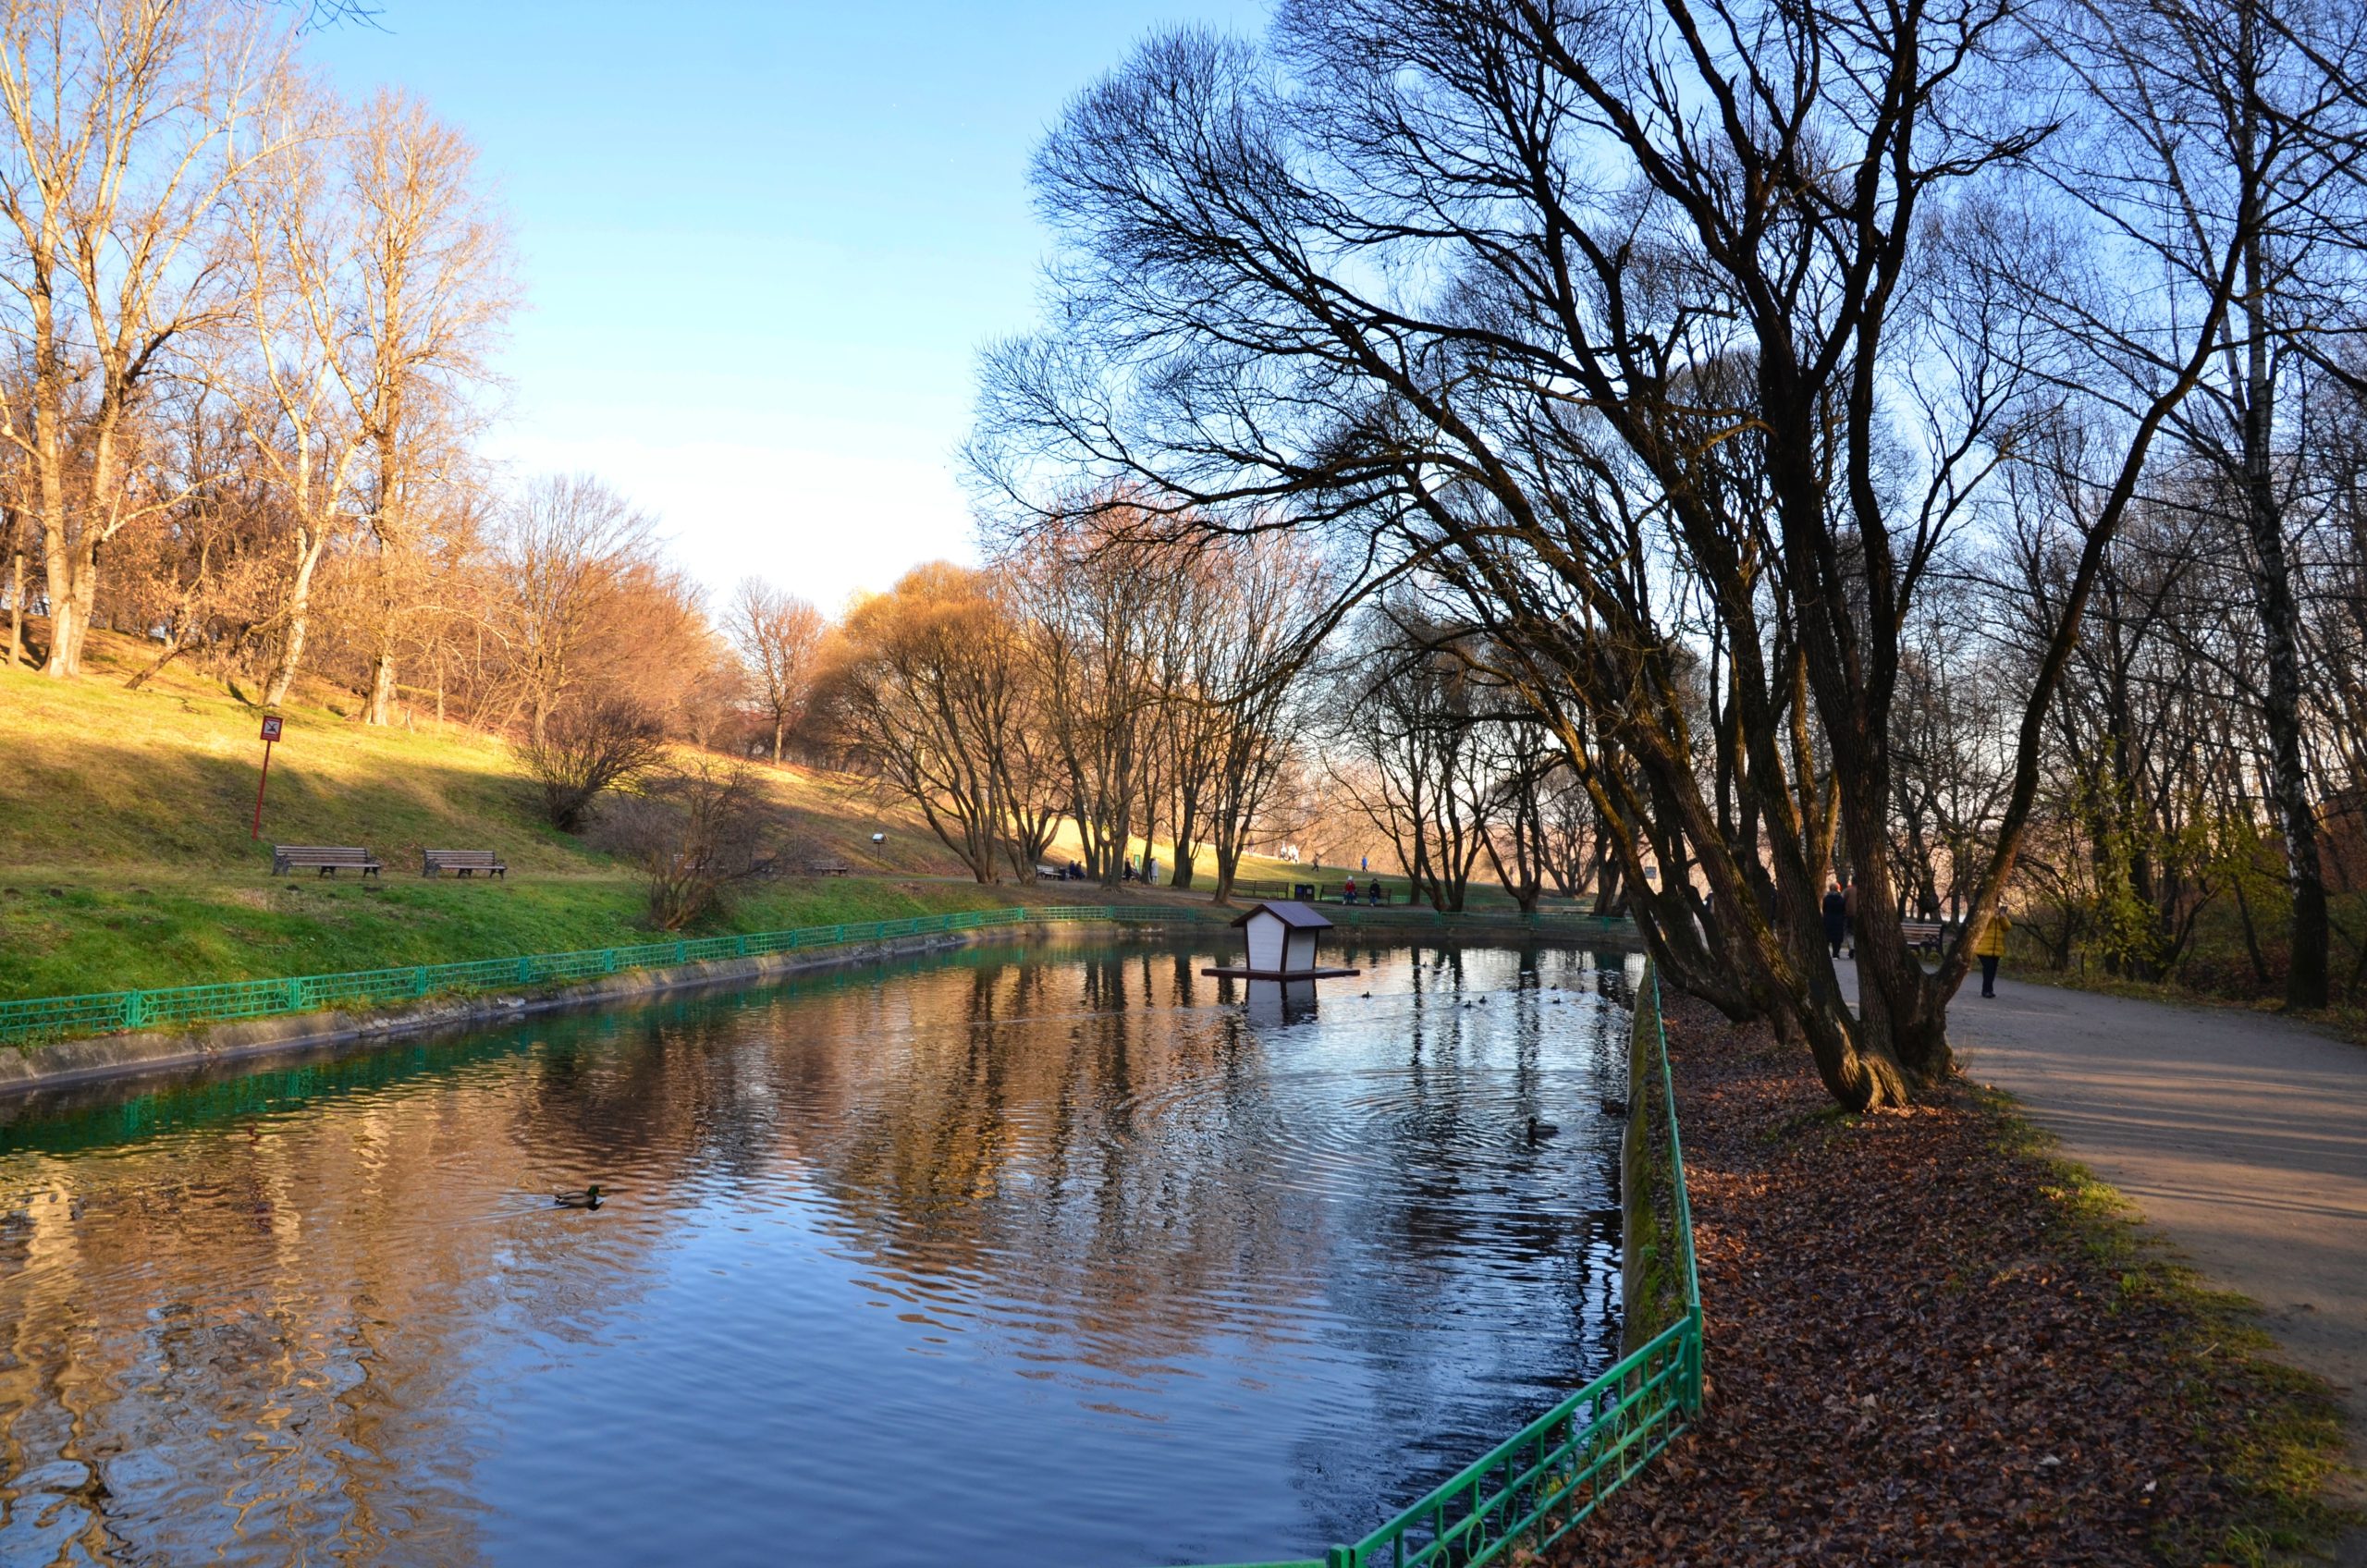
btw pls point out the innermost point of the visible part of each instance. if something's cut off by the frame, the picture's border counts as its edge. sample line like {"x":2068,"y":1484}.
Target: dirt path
{"x":2242,"y":1137}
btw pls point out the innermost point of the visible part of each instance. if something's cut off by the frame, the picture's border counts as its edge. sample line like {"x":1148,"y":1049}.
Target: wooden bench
{"x":828,"y":868}
{"x":464,"y":862}
{"x":1923,"y":935}
{"x":329,"y":858}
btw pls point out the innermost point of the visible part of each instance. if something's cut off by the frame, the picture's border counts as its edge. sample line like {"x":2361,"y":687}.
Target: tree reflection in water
{"x":1037,"y":1256}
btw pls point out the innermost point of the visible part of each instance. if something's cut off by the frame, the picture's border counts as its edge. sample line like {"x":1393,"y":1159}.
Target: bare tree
{"x":2253,"y":116}
{"x":298,"y":320}
{"x":924,"y":688}
{"x":1601,"y":321}
{"x":569,"y":549}
{"x":587,"y":749}
{"x":1409,"y":748}
{"x":1259,"y":624}
{"x":1099,"y":609}
{"x":694,"y":829}
{"x":124,"y":122}
{"x":777,"y":636}
{"x":373,"y":286}
{"x":435,"y":289}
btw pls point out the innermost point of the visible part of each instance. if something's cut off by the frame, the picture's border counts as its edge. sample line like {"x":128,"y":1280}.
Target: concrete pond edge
{"x":163,"y":1052}
{"x":102,"y":1058}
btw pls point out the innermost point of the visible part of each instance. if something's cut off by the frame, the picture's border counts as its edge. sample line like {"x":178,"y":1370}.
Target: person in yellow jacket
{"x":1989,"y":946}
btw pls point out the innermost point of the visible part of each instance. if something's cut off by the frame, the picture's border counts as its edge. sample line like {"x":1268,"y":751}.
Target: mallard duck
{"x":588,"y":1198}
{"x":1542,"y":1129}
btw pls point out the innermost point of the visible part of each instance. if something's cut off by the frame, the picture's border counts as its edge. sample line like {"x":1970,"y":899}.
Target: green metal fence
{"x":1533,"y":1487}
{"x":43,"y":1018}
{"x":1422,"y":917}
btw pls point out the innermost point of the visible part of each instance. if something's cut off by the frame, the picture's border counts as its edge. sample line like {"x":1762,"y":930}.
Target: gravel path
{"x":2242,"y":1137}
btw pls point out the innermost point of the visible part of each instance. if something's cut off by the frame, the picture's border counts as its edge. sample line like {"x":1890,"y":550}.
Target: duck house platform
{"x":1281,"y":936}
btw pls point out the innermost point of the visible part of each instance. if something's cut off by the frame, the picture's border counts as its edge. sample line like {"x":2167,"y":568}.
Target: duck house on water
{"x":1281,"y":934}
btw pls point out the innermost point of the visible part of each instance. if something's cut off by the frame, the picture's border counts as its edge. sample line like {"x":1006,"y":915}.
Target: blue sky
{"x":760,"y":245}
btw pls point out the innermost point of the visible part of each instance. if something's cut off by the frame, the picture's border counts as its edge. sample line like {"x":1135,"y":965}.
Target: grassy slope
{"x":125,"y":858}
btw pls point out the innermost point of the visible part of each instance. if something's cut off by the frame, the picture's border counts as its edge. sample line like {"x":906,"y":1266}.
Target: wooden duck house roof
{"x":1290,"y":913}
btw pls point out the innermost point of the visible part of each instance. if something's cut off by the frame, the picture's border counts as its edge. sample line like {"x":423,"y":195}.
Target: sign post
{"x":270,"y":733}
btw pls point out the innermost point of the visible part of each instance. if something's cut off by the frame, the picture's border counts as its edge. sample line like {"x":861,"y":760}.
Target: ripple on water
{"x":1067,"y":1245}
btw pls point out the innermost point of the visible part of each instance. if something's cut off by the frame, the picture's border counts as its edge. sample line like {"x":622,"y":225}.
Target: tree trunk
{"x":72,"y":574}
{"x":299,"y":603}
{"x":2251,"y":935}
{"x":382,"y":692}
{"x":174,"y":645}
{"x":65,"y":639}
{"x":1226,"y":865}
{"x":776,"y":730}
{"x":2305,"y":973}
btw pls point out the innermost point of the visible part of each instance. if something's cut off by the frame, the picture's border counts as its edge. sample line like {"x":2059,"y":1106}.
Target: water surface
{"x":1034,"y":1257}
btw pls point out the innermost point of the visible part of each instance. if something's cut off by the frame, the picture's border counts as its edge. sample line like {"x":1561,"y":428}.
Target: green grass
{"x":1653,"y":1252}
{"x":101,"y":778}
{"x":126,"y":861}
{"x":60,"y":939}
{"x":2273,"y":1433}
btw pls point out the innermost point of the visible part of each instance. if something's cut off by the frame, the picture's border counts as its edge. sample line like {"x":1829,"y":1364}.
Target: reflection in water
{"x":1025,"y":1259}
{"x":1272,"y":1003}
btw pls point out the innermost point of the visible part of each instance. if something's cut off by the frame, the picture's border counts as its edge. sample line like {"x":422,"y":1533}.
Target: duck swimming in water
{"x":588,"y":1198}
{"x":1538,"y":1130}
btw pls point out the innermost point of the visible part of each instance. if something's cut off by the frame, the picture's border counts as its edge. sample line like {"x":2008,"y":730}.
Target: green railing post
{"x":1693,"y":1360}
{"x":135,"y":1009}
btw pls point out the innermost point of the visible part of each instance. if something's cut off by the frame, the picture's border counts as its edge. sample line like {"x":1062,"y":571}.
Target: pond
{"x":1024,"y":1256}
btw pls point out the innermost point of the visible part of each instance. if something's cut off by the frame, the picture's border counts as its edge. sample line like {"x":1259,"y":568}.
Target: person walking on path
{"x":1836,"y":919}
{"x":1989,"y":946}
{"x":1849,"y":913}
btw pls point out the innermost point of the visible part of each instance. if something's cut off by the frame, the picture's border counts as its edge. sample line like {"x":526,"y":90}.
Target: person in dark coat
{"x":1836,"y":918}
